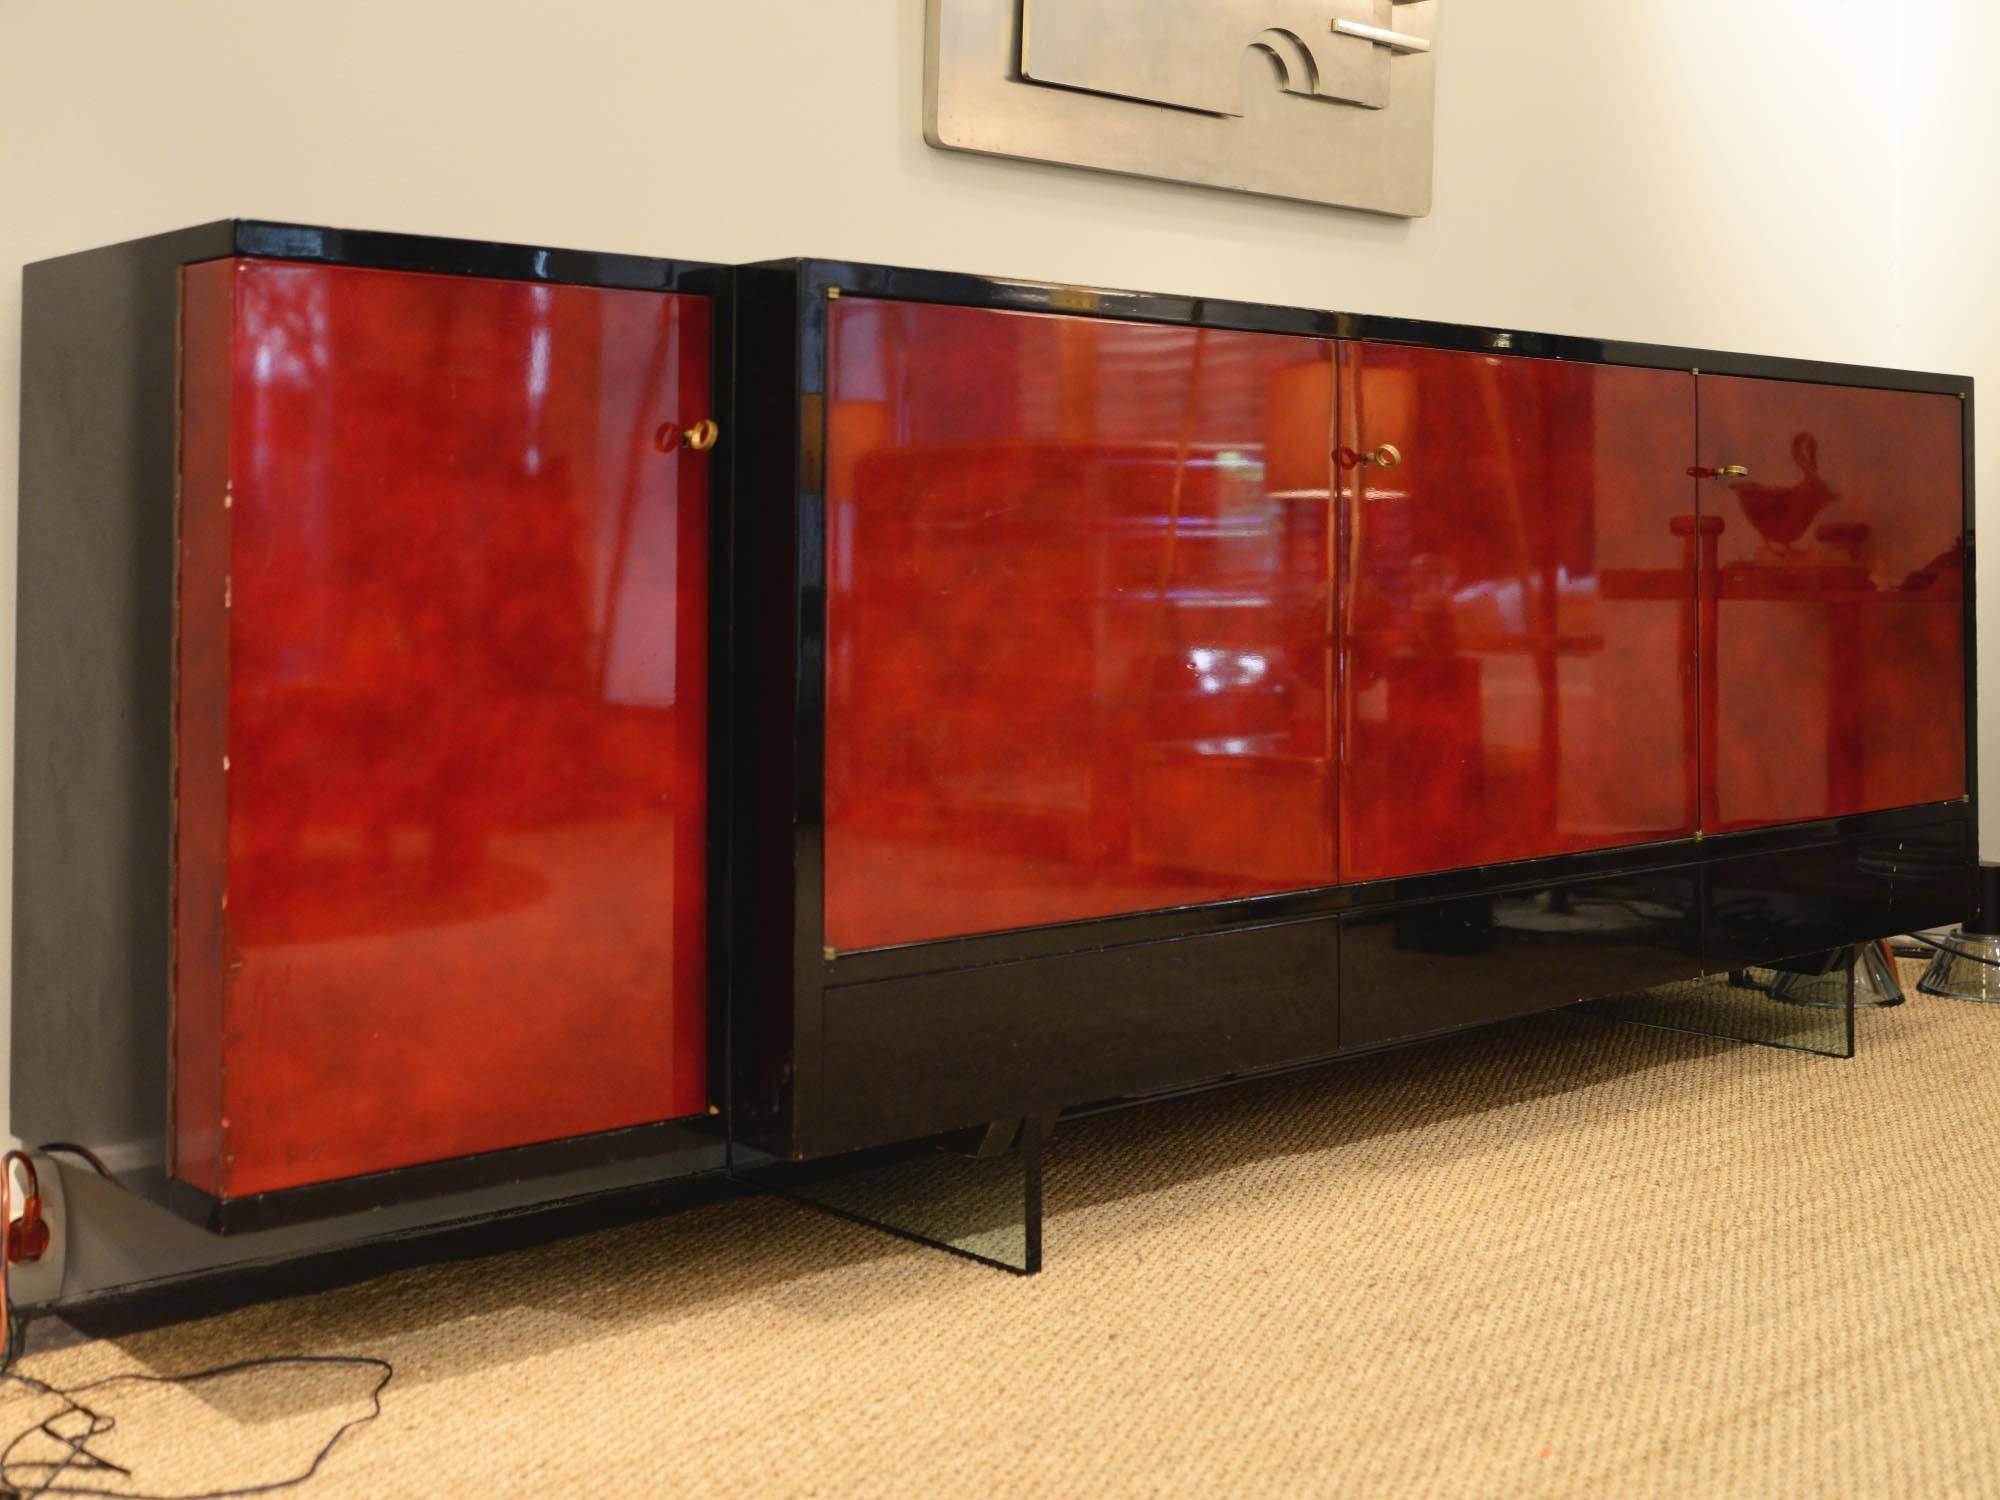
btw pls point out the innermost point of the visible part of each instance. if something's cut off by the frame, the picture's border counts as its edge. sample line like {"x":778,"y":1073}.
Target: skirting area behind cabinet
{"x":1557,"y":1257}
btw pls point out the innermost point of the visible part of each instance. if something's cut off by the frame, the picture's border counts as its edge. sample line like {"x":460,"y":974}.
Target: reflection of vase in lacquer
{"x":1782,"y":513}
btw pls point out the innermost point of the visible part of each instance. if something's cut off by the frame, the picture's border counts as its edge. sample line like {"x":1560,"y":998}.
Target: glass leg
{"x":981,"y":1200}
{"x":1804,"y":1005}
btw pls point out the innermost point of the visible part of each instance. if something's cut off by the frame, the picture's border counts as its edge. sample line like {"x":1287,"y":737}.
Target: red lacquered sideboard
{"x":496,"y":717}
{"x":1168,"y":690}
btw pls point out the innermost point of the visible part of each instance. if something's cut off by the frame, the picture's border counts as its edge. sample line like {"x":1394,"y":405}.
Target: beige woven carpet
{"x":1563,"y":1257}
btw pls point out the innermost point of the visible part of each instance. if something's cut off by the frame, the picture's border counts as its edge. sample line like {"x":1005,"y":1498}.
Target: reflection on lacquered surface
{"x":1518,"y":609}
{"x":464,"y":808}
{"x":1833,"y":593}
{"x":1079,"y":593}
{"x":1461,"y":962}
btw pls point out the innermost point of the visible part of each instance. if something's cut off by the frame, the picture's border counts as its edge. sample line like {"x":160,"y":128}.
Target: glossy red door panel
{"x":1833,"y":600}
{"x":1518,"y":609}
{"x":442,"y":719}
{"x":1078,"y":611}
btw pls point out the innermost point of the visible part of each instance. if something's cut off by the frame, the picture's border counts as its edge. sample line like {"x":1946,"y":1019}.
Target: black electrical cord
{"x":15,"y":1480}
{"x":71,"y":1148}
{"x":16,"y":1483}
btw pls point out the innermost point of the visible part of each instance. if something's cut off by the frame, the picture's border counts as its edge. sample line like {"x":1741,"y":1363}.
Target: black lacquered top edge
{"x":427,"y":254}
{"x":454,"y":257}
{"x":465,"y":257}
{"x":905,"y":284}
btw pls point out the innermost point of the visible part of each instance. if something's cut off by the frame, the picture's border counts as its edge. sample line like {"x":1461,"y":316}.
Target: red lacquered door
{"x":1518,"y":601}
{"x":1078,"y":609}
{"x":442,"y":719}
{"x":1833,"y":652}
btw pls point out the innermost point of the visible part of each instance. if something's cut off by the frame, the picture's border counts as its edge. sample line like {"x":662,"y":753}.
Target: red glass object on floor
{"x":441,"y":771}
{"x":1833,"y":648}
{"x":1518,"y":608}
{"x":1079,"y":608}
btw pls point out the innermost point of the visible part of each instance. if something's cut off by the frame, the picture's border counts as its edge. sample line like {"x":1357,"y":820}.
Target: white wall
{"x":1947,"y":280}
{"x":1785,"y":177}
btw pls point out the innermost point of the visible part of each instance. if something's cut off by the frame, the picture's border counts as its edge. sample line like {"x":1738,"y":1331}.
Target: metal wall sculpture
{"x":1326,"y":101}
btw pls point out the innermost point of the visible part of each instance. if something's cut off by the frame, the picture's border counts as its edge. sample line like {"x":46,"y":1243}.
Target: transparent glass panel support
{"x":1801,"y":1005}
{"x":978,"y":1198}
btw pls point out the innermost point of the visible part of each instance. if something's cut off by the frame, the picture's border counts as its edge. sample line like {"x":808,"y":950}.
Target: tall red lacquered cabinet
{"x":442,"y":733}
{"x":436,"y":761}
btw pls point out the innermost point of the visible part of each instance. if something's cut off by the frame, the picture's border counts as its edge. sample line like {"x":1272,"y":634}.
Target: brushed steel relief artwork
{"x":1328,"y":101}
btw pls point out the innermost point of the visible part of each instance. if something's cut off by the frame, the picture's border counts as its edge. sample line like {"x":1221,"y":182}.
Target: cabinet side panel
{"x":771,"y":1028}
{"x":201,"y":720}
{"x":93,"y":713}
